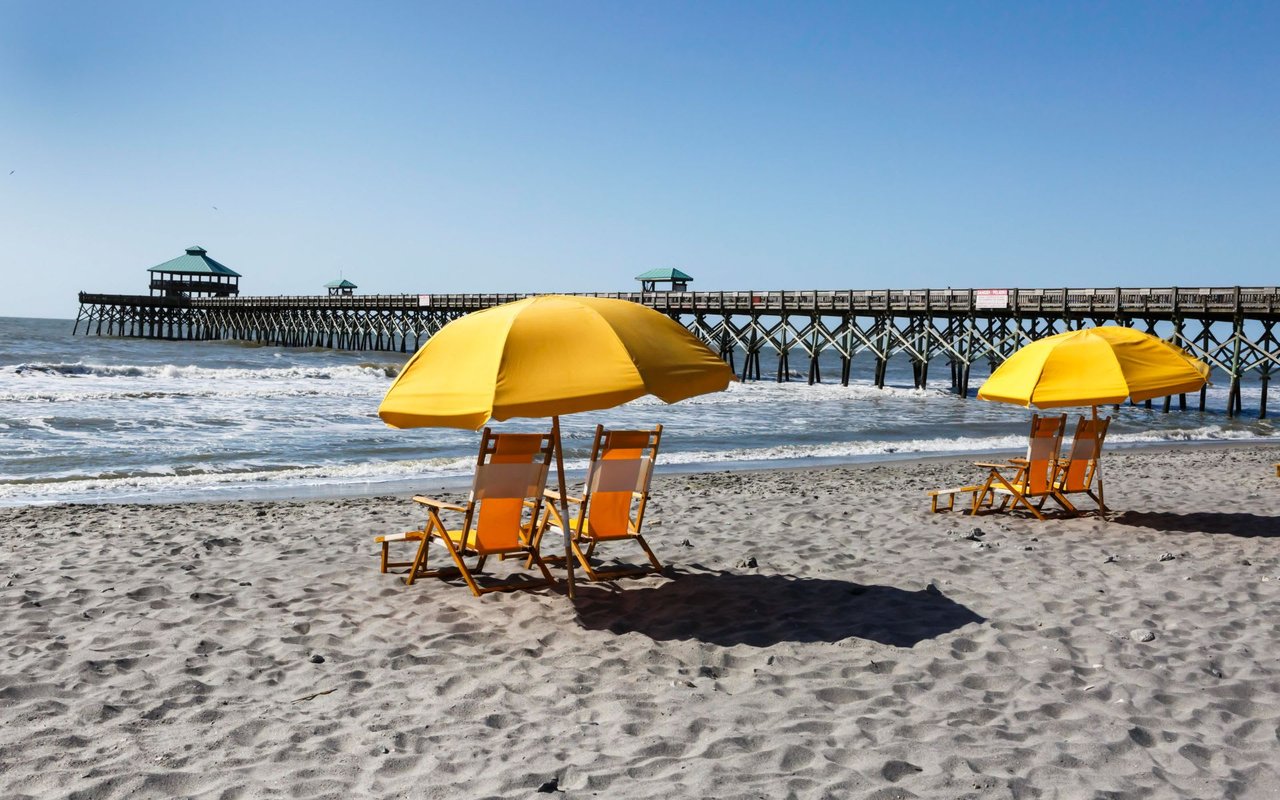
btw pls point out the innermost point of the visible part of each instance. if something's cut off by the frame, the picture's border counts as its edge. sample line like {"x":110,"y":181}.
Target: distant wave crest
{"x":192,"y":372}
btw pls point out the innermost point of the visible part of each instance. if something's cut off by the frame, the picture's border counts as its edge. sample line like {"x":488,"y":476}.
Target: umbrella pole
{"x":564,"y":502}
{"x":1097,"y":468}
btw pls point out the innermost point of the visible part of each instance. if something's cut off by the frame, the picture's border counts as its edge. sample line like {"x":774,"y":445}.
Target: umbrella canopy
{"x":546,"y":356}
{"x":1094,"y":366}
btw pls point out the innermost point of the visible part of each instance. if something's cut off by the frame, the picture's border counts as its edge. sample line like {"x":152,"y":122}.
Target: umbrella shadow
{"x":1241,"y":524}
{"x":726,"y":609}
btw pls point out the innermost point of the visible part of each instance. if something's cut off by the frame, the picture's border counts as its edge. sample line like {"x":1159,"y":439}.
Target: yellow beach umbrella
{"x":546,"y":356}
{"x":1092,"y":367}
{"x":549,"y":355}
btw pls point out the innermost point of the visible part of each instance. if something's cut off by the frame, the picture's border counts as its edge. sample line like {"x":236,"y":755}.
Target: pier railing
{"x":1131,"y":301}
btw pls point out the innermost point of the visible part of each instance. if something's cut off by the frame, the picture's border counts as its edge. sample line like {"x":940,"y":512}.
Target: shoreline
{"x":460,"y":483}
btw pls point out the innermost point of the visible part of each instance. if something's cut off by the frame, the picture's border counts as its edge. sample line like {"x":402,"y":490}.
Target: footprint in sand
{"x":894,"y":771}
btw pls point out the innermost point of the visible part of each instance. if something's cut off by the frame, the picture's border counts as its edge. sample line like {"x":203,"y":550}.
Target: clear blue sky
{"x":568,"y":146}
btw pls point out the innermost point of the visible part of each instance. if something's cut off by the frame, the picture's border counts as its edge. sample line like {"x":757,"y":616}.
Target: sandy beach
{"x":252,"y":649}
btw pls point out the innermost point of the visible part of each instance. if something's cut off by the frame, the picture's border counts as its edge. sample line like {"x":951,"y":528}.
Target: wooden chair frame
{"x":645,"y":443}
{"x":1032,"y":477}
{"x":1082,"y":468}
{"x":950,"y":495}
{"x":500,"y":476}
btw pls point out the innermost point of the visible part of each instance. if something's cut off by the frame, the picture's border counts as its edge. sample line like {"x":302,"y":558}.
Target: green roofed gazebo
{"x":194,"y":274}
{"x":340,"y":287}
{"x":649,"y":280}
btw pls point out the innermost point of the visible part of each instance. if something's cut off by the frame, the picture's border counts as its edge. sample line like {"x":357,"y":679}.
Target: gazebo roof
{"x":195,"y":262}
{"x":340,"y":284}
{"x":670,"y":274}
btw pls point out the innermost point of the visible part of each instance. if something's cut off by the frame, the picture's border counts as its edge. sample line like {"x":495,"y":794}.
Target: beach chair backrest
{"x":1086,"y":447}
{"x":511,"y":468}
{"x":1042,"y":452}
{"x":621,"y":466}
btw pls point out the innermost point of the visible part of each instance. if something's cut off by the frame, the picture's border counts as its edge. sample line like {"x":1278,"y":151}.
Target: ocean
{"x":97,"y":419}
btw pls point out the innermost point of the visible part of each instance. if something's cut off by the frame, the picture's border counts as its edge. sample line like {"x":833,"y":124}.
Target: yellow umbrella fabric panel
{"x":451,"y":382}
{"x":1094,"y":366}
{"x":546,"y":356}
{"x":561,"y":357}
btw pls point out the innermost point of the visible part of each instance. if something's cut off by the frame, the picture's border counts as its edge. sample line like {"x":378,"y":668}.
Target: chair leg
{"x":1030,"y":506}
{"x":584,"y":559}
{"x":979,"y":495}
{"x":1015,"y":496}
{"x":657,"y":565}
{"x":536,"y":558}
{"x":514,"y":586}
{"x":605,"y":575}
{"x":550,"y":518}
{"x":977,"y":502}
{"x":384,"y":558}
{"x":1019,"y":498}
{"x":419,"y":569}
{"x":1061,"y":499}
{"x":462,"y":566}
{"x":419,"y":561}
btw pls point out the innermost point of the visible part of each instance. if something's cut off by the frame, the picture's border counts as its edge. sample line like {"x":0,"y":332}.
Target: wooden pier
{"x":1232,"y":328}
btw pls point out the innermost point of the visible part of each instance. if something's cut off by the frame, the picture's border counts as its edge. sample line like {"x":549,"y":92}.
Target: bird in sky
{"x":215,"y":208}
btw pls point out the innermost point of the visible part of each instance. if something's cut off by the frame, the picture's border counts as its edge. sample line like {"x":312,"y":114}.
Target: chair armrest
{"x":433,"y":503}
{"x":554,"y":494}
{"x":989,"y":465}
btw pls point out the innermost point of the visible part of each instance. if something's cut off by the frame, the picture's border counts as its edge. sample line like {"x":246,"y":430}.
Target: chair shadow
{"x":727,"y":609}
{"x":1241,"y":524}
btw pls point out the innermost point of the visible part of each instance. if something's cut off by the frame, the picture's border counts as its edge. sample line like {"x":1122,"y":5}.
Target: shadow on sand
{"x":1235,"y":524}
{"x":726,"y":609}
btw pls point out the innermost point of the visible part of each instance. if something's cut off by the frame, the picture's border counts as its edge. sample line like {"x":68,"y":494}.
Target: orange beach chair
{"x":613,"y":499}
{"x":1081,"y":470}
{"x":1032,"y":478}
{"x":499,"y":518}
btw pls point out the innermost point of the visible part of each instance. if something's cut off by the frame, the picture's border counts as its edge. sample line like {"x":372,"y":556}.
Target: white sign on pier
{"x":990,"y":298}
